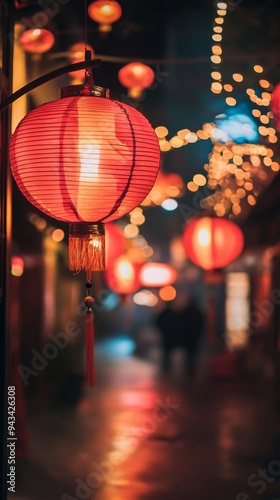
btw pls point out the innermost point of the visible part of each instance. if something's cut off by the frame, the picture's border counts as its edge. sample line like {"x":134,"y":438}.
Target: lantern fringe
{"x":87,"y":252}
{"x":90,"y":366}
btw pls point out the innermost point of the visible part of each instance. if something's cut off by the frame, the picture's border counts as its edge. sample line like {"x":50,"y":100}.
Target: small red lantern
{"x":157,"y":274}
{"x":123,"y":276}
{"x":275,"y":106}
{"x":105,"y":12}
{"x":87,"y":160}
{"x":76,"y":53}
{"x":136,"y":77}
{"x":115,"y":243}
{"x":37,"y":40}
{"x":212,"y":242}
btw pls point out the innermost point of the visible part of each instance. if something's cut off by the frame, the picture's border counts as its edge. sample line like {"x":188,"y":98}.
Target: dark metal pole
{"x":93,"y":63}
{"x":5,"y":234}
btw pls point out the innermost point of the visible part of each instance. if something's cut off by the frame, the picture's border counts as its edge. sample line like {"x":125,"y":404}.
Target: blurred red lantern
{"x":76,"y":53}
{"x":104,"y":12}
{"x":37,"y":40}
{"x":115,"y":243}
{"x":157,"y":274}
{"x":136,"y":77}
{"x":87,"y":160}
{"x":122,"y":277}
{"x":275,"y":106}
{"x":212,"y":242}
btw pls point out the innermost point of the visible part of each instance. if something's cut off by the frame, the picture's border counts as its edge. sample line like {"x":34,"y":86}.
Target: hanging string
{"x":86,"y":26}
{"x":88,"y":72}
{"x":89,"y":301}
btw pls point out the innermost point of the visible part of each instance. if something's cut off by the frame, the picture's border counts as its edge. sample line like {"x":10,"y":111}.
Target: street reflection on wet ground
{"x":139,"y":434}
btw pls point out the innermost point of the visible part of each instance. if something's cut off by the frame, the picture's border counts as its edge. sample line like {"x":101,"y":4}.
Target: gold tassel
{"x":86,"y":247}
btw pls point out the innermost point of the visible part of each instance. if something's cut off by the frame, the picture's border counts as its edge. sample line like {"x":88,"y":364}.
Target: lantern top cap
{"x":84,"y":90}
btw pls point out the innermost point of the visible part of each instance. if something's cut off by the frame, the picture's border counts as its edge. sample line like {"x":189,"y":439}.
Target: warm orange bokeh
{"x":167,"y":185}
{"x":157,"y":274}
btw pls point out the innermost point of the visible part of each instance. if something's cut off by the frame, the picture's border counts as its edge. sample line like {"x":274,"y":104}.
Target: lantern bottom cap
{"x":83,"y":228}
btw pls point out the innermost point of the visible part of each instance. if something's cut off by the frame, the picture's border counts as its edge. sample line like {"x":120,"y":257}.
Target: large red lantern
{"x":87,"y":160}
{"x":275,"y":106}
{"x":136,"y":77}
{"x":212,"y":242}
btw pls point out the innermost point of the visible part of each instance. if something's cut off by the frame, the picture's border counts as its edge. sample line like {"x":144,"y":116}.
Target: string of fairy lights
{"x":234,"y":172}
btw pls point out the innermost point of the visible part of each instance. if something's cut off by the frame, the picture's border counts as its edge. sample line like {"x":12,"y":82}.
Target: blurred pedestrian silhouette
{"x":181,"y":326}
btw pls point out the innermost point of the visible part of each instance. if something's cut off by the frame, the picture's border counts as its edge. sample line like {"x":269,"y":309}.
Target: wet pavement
{"x":139,"y":435}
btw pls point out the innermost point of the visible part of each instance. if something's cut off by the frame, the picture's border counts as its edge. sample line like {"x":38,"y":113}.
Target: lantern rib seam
{"x":69,"y":205}
{"x":125,"y":191}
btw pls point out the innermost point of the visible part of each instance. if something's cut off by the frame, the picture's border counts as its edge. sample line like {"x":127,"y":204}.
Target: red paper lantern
{"x":157,"y":274}
{"x":136,"y":77}
{"x":105,"y":12}
{"x":122,"y":277}
{"x":275,"y":106}
{"x":87,"y":160}
{"x":115,"y":243}
{"x":37,"y":40}
{"x":76,"y":53}
{"x":212,"y":242}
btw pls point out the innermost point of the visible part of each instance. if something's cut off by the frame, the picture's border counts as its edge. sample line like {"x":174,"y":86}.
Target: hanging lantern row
{"x":124,"y":276}
{"x":87,"y":160}
{"x":41,"y":40}
{"x":134,"y":76}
